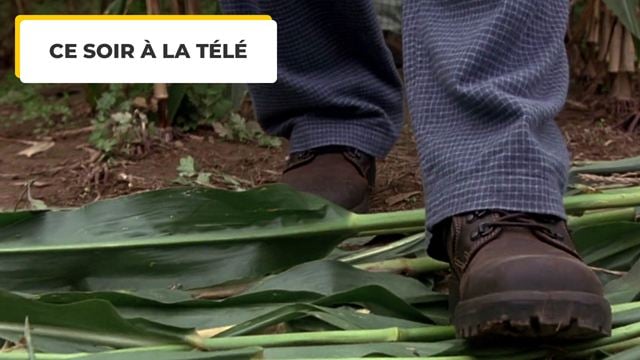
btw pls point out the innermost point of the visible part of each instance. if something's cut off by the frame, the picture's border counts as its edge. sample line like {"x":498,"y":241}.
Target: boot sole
{"x":534,"y":314}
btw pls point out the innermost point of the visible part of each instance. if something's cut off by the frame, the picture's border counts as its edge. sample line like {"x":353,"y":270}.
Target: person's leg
{"x":337,"y":85}
{"x":485,"y":79}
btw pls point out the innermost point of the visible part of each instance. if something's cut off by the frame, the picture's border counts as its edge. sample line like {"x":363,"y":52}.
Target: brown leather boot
{"x":340,"y":174}
{"x":518,"y":274}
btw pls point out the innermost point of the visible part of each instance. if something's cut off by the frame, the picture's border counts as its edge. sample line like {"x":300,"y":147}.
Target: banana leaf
{"x":308,"y":317}
{"x":152,"y":353}
{"x":400,"y":349}
{"x":613,"y":246}
{"x":627,"y":12}
{"x":85,"y":326}
{"x":175,"y":238}
{"x":192,"y":238}
{"x":8,"y":218}
{"x":626,"y":288}
{"x":319,"y":283}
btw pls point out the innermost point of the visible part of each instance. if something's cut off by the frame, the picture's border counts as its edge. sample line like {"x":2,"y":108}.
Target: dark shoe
{"x":340,"y":174}
{"x":518,"y":274}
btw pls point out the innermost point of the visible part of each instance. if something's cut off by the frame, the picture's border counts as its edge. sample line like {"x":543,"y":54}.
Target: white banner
{"x":146,"y":49}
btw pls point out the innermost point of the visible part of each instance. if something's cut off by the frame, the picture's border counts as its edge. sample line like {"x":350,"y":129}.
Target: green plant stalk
{"x":620,"y":334}
{"x":382,"y":249}
{"x":409,"y":219}
{"x":605,"y":216}
{"x":407,"y":358}
{"x":22,"y":355}
{"x":421,"y":265}
{"x":371,"y":223}
{"x":618,"y":308}
{"x":579,"y":203}
{"x":610,"y":348}
{"x":430,"y":333}
{"x":408,"y":230}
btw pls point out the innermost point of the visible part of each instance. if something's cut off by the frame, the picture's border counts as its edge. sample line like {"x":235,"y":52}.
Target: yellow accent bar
{"x":21,"y":18}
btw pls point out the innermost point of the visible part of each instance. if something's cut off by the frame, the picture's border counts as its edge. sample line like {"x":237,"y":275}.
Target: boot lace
{"x":521,"y":220}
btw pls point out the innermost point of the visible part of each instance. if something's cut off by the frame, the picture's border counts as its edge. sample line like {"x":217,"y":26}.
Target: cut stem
{"x":430,"y":333}
{"x":601,"y":217}
{"x":383,"y":221}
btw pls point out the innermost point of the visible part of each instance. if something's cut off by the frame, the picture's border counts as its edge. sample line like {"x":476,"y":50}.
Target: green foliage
{"x":627,"y":12}
{"x":26,"y":104}
{"x":188,"y":175}
{"x":237,"y":128}
{"x":204,"y":104}
{"x":140,"y":273}
{"x":116,"y":127}
{"x":110,"y":101}
{"x":211,"y":104}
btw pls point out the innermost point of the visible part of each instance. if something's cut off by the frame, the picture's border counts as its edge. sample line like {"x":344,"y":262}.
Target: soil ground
{"x":65,"y":177}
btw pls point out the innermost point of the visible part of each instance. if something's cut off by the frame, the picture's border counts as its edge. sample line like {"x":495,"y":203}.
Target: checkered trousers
{"x":484,"y":81}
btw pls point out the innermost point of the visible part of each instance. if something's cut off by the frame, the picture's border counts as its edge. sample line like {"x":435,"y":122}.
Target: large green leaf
{"x":90,"y":325}
{"x":179,"y":238}
{"x":9,"y":218}
{"x":152,"y":353}
{"x":191,"y":238}
{"x":627,"y":12}
{"x":400,"y":349}
{"x":614,"y":246}
{"x":326,"y":277}
{"x":319,"y":283}
{"x":324,"y":318}
{"x":626,"y":288}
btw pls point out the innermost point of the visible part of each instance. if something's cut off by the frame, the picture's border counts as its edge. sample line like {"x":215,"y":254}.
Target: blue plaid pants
{"x":484,"y":80}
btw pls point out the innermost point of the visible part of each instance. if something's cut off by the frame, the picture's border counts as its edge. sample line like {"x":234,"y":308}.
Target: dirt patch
{"x":64,"y":176}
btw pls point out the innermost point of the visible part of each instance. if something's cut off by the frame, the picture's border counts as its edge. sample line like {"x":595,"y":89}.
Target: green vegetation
{"x":189,"y":174}
{"x":26,"y":103}
{"x":270,"y":273}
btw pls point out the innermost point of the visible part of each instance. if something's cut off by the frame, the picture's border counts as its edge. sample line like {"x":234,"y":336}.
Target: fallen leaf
{"x":392,"y":200}
{"x":34,"y":184}
{"x":36,"y":147}
{"x":209,"y":333}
